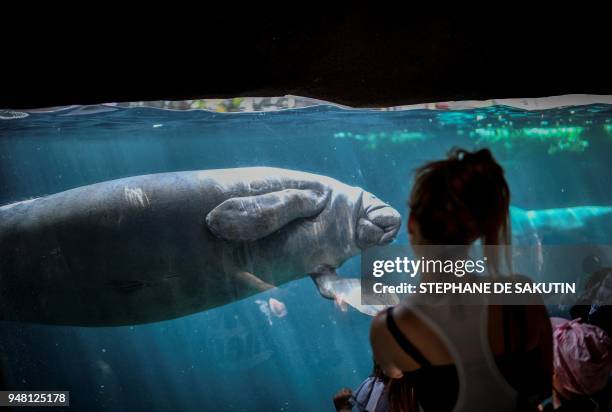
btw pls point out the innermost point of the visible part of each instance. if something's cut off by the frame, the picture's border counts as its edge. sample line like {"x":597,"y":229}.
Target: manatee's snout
{"x":378,"y":223}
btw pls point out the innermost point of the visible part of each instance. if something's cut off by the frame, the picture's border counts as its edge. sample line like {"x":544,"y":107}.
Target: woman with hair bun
{"x":462,"y":357}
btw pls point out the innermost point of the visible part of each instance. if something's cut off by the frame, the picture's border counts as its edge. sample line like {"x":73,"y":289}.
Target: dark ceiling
{"x":356,"y":57}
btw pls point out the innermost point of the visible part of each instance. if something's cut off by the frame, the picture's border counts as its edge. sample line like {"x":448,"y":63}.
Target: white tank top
{"x":464,"y":332}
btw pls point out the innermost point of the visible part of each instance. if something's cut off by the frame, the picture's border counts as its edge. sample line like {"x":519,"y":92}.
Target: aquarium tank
{"x":285,"y":348}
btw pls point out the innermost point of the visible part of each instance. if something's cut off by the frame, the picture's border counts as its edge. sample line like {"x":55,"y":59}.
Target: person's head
{"x":458,"y":200}
{"x":582,"y":358}
{"x":591,"y":264}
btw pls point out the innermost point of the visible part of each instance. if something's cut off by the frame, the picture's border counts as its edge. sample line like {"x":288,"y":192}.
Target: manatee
{"x":155,"y":247}
{"x":569,"y":225}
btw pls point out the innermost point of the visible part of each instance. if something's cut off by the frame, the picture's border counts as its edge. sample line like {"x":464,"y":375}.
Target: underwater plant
{"x":218,"y":105}
{"x":560,"y":138}
{"x":373,"y":139}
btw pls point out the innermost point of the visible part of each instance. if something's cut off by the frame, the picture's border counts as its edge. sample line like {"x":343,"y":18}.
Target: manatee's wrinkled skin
{"x":155,"y":247}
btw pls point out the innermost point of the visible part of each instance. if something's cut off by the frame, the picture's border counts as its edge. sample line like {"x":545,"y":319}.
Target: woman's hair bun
{"x":482,"y":156}
{"x":481,"y":160}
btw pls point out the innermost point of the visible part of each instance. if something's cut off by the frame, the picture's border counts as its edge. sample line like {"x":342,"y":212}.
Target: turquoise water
{"x":236,"y":357}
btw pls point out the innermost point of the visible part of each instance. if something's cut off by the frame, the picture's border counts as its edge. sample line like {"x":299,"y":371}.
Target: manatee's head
{"x":378,"y":223}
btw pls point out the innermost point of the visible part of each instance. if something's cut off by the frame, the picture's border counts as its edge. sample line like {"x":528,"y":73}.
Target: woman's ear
{"x":411,"y":224}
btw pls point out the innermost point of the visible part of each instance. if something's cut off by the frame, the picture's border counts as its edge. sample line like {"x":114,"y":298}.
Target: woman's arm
{"x":381,"y":341}
{"x":387,"y":353}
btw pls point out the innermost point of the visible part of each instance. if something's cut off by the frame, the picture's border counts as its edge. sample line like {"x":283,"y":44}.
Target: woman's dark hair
{"x":377,"y":371}
{"x":400,"y":391}
{"x":461,"y":199}
{"x":401,"y":395}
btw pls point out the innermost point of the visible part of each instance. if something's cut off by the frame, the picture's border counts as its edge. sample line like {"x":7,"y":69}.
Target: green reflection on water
{"x":560,"y":139}
{"x":373,"y":139}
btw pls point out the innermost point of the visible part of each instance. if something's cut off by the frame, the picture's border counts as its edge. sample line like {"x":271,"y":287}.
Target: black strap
{"x":403,"y":342}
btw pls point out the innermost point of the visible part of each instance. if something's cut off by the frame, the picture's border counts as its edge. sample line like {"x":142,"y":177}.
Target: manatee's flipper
{"x":348,"y":290}
{"x":240,"y":278}
{"x":252,"y":281}
{"x":245,"y":219}
{"x":324,"y":279}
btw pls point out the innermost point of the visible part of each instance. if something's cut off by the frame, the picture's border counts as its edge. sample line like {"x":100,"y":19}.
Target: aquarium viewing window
{"x":232,"y":254}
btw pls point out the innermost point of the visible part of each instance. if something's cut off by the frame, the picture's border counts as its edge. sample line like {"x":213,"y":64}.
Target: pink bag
{"x":582,"y":357}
